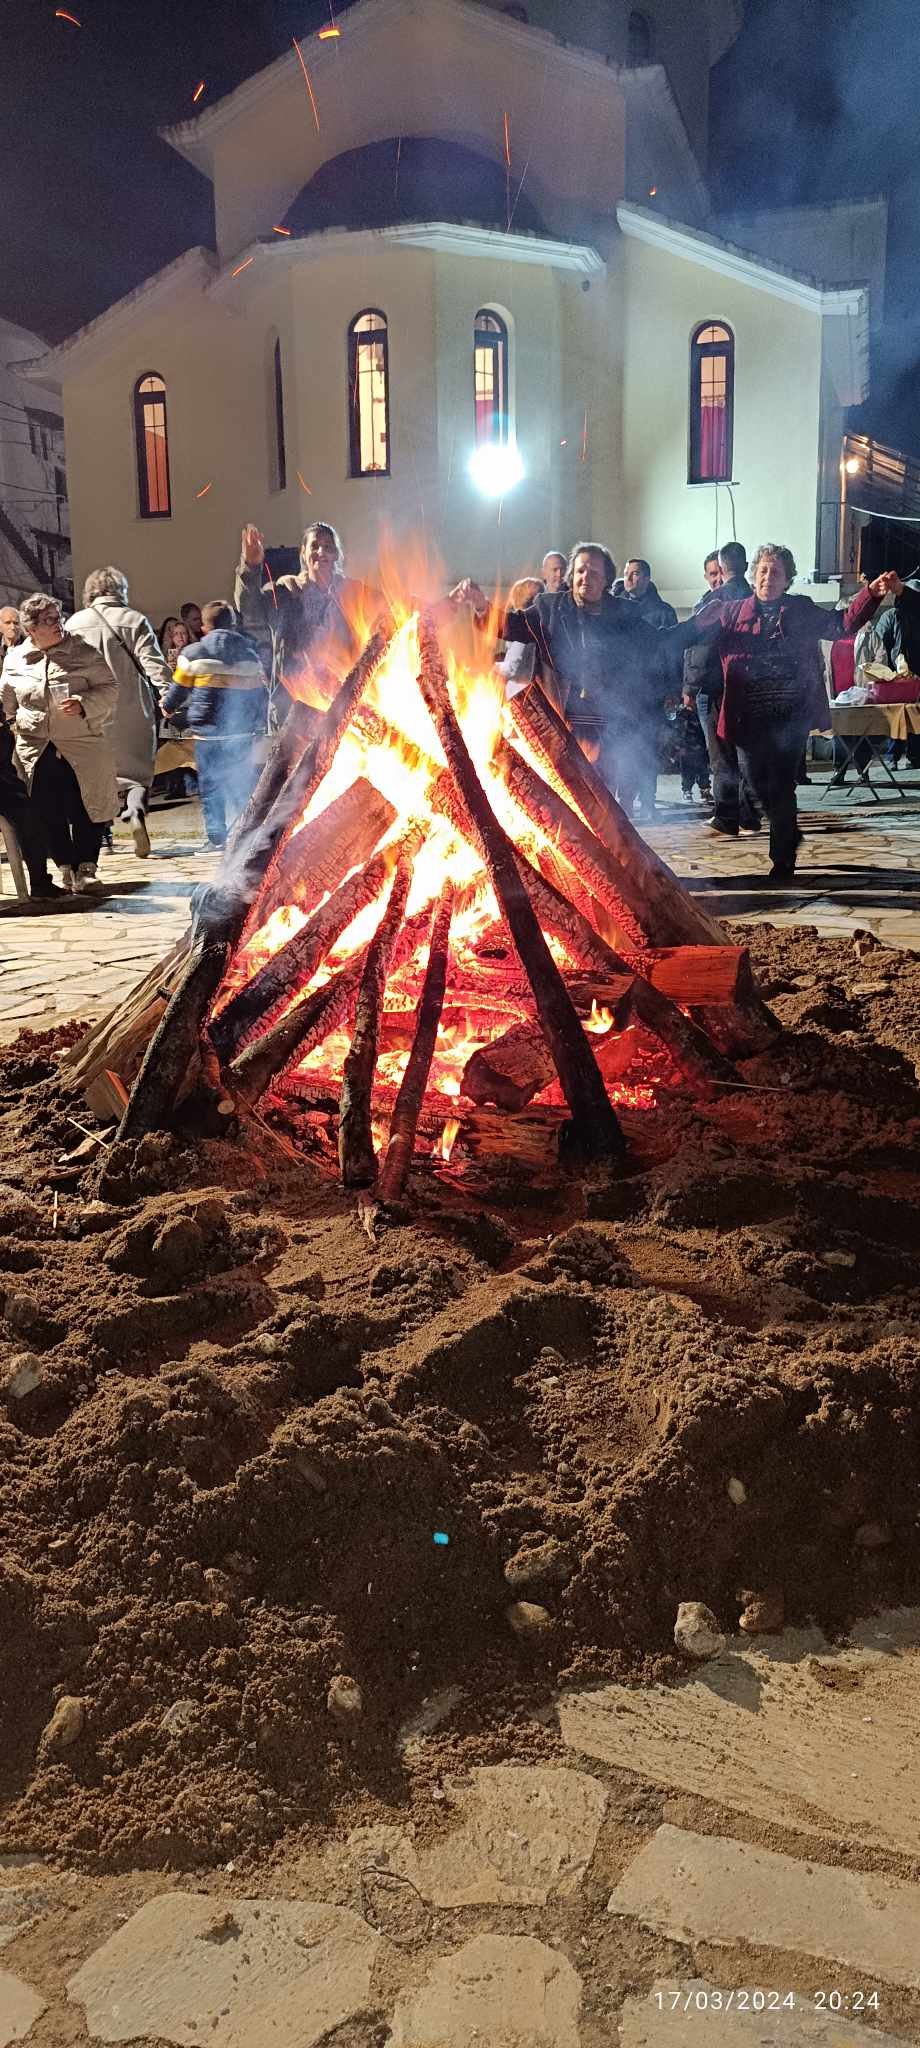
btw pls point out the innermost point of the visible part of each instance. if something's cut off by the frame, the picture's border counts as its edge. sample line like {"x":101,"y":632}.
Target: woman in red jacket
{"x":774,"y":691}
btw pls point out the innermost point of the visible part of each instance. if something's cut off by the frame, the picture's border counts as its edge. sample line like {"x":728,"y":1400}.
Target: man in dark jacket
{"x":636,"y":584}
{"x":219,"y":696}
{"x":605,"y":663}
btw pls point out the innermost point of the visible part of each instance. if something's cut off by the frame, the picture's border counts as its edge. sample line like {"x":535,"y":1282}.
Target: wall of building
{"x":776,"y":419}
{"x":34,"y":521}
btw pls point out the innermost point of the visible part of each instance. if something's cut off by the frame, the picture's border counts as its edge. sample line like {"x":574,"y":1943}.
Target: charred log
{"x":407,"y":1108}
{"x":357,"y":1157}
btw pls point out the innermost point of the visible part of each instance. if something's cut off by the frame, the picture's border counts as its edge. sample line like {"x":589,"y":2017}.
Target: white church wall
{"x":776,"y":419}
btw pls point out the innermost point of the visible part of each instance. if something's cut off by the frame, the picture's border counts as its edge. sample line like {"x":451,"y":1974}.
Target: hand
{"x":71,"y":708}
{"x":889,"y":584}
{"x":253,"y":547}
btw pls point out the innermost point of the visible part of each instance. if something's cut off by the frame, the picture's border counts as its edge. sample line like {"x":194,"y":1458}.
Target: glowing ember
{"x":328,"y":34}
{"x":276,"y":230}
{"x":61,"y":14}
{"x":204,"y":491}
{"x":242,"y":266}
{"x":306,"y":78}
{"x":304,"y":486}
{"x":601,"y":1019}
{"x":199,"y":89}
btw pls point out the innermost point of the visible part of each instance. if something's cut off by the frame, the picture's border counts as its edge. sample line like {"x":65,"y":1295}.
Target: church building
{"x":467,"y":290}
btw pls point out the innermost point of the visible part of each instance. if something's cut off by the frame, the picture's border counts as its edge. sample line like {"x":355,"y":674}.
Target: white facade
{"x":34,"y":528}
{"x":600,"y":303}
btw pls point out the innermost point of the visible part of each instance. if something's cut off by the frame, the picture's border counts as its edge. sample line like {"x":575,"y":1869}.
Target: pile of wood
{"x":647,"y":954}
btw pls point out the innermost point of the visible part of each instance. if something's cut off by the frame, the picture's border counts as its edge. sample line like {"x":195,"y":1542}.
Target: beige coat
{"x":28,"y":701}
{"x":119,"y":632}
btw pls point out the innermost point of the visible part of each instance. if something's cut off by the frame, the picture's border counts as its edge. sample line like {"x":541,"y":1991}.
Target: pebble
{"x":345,"y":1700}
{"x":696,"y":1630}
{"x":65,"y":1726}
{"x":181,"y":1715}
{"x":220,"y":1585}
{"x":527,"y":1619}
{"x":872,"y":1536}
{"x":24,"y":1373}
{"x":737,"y":1492}
{"x":547,"y":1563}
{"x":21,"y":1311}
{"x":838,"y":1259}
{"x":61,"y":1551}
{"x":763,"y":1614}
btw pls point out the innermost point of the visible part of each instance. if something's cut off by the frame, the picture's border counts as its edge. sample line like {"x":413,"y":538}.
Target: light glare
{"x":495,"y":468}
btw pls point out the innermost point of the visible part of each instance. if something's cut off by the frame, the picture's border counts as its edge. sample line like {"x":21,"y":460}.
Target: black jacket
{"x":607,"y":661}
{"x":652,"y":607}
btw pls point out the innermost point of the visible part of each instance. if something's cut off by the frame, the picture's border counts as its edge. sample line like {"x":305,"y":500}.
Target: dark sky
{"x":817,"y":100}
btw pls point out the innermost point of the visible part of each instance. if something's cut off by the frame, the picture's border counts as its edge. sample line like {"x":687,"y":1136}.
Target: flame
{"x":600,"y":1019}
{"x":449,"y":1137}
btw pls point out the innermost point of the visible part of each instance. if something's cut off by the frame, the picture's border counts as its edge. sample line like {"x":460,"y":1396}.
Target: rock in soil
{"x":696,"y":1630}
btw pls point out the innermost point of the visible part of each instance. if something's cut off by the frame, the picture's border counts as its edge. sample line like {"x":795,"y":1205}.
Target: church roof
{"x":410,"y":178}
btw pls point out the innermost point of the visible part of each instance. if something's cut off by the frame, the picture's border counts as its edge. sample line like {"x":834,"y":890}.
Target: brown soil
{"x":249,"y":1424}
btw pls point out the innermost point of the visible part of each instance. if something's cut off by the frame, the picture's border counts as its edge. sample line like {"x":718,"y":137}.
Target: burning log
{"x":357,"y":1158}
{"x":596,"y":1130}
{"x":662,"y":910}
{"x":267,"y":1059}
{"x":174,"y":1043}
{"x":407,"y":1108}
{"x":117,"y":1042}
{"x":263,"y":997}
{"x":314,"y":860}
{"x":593,"y":864}
{"x":510,"y":1071}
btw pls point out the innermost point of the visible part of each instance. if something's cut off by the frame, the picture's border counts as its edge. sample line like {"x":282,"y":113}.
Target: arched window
{"x":369,"y":394}
{"x":490,"y":377}
{"x":640,"y":42}
{"x":712,"y":389}
{"x":152,"y":446}
{"x":279,"y":457}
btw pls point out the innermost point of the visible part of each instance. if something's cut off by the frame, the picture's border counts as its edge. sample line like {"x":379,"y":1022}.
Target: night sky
{"x":815,"y":101}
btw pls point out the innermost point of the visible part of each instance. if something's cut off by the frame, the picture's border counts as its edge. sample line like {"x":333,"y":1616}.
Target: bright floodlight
{"x":852,"y":464}
{"x":495,"y":468}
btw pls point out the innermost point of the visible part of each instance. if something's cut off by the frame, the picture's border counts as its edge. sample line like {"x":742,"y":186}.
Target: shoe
{"x":749,"y":831}
{"x":85,"y":878}
{"x":781,"y":874}
{"x":141,"y":838}
{"x":687,"y":795}
{"x":42,"y":889}
{"x":714,"y":825}
{"x":705,"y":796}
{"x":67,"y":878}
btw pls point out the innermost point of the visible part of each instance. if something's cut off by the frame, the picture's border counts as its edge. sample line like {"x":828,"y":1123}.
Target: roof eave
{"x":440,"y":237}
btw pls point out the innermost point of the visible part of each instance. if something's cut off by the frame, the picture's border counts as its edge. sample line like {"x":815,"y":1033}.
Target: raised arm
{"x":250,"y":596}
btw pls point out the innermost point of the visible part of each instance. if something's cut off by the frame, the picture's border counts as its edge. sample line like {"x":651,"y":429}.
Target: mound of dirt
{"x":246,"y":1455}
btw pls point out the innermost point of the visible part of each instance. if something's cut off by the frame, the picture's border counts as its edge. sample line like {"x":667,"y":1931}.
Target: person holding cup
{"x":58,"y":693}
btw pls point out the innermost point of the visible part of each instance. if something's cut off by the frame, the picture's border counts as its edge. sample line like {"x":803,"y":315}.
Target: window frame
{"x":701,"y":352}
{"x":496,"y":339}
{"x":141,"y":400}
{"x":279,"y":442}
{"x":638,"y":16}
{"x":355,"y":341}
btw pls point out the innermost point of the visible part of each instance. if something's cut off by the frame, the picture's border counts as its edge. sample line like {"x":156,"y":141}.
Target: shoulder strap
{"x":123,"y":643}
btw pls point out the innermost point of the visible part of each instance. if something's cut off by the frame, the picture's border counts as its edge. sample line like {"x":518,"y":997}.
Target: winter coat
{"x":308,"y":628}
{"x":28,"y":673}
{"x":219,"y":689}
{"x":652,"y":607}
{"x":702,"y":670}
{"x":771,"y":661}
{"x":605,"y":661}
{"x":113,"y":629}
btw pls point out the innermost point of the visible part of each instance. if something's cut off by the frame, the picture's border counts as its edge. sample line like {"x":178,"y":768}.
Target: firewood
{"x":595,"y":1127}
{"x":268,"y":992}
{"x":265,"y":1061}
{"x":131,"y":1023}
{"x":667,"y":914}
{"x":527,"y":1145}
{"x":357,"y":1158}
{"x":407,"y":1108}
{"x":510,"y":1071}
{"x":174,"y":1043}
{"x":555,"y":912}
{"x":593,"y":863}
{"x":314,"y":860}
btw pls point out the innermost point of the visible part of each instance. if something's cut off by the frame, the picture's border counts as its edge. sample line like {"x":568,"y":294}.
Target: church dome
{"x":409,"y":178}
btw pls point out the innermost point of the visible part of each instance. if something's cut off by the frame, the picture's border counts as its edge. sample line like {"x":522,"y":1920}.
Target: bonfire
{"x":431,"y":915}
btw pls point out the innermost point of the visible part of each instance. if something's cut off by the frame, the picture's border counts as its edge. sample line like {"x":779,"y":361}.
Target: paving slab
{"x":235,"y":1973}
{"x":792,"y":1731}
{"x":693,"y":2014}
{"x":498,"y":1991}
{"x":20,"y":1906}
{"x":696,"y":1888}
{"x":20,"y":2007}
{"x":526,"y":1835}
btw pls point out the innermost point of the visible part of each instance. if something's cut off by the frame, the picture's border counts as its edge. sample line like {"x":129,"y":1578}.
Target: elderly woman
{"x":600,"y":662}
{"x":128,"y":643}
{"x":774,"y":693}
{"x":58,"y":694}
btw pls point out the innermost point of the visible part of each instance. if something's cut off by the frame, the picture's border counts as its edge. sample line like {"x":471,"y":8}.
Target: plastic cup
{"x":59,"y":692}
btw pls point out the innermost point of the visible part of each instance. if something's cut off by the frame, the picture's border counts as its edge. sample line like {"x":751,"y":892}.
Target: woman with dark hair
{"x":173,"y":636}
{"x":774,"y":692}
{"x":601,"y":662}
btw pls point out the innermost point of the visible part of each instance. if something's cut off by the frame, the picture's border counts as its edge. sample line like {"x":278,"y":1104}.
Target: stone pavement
{"x":634,"y":1890}
{"x":859,"y":866}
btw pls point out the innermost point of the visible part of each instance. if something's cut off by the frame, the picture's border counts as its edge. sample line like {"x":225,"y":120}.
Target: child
{"x":692,"y":757}
{"x":220,"y":697}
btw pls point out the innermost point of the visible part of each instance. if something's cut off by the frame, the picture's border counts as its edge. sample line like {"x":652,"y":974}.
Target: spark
{"x":61,"y":14}
{"x":272,"y":584}
{"x":303,"y":486}
{"x":584,"y":438}
{"x":326,"y":35}
{"x":199,"y":89}
{"x":563,"y":444}
{"x":306,"y":78}
{"x":507,"y":140}
{"x":203,"y":492}
{"x":242,"y":266}
{"x":276,"y":230}
{"x":652,"y":191}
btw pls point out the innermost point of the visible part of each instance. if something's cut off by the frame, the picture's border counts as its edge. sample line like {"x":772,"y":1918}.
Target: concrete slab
{"x":20,"y":2007}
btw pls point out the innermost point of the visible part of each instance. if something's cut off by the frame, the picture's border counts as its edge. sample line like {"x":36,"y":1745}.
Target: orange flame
{"x":600,"y":1019}
{"x":199,"y":89}
{"x":449,"y":1137}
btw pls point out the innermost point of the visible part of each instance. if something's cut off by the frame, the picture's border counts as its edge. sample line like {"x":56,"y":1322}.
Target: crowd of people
{"x":86,"y":701}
